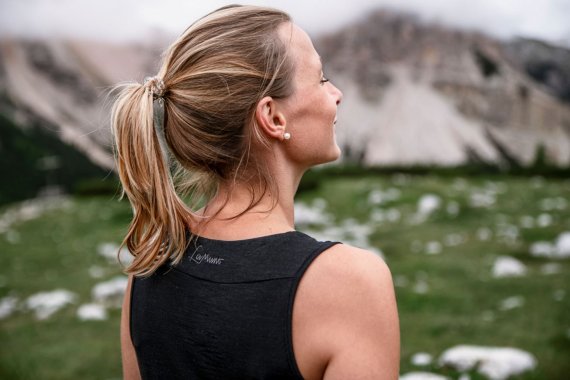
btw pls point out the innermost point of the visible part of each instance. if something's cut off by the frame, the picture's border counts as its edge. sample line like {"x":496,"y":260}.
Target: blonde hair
{"x":214,"y":75}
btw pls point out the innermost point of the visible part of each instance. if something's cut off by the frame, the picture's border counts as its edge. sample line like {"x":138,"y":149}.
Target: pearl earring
{"x":286,"y":136}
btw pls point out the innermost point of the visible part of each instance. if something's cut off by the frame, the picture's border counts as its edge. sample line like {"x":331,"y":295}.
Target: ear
{"x":270,"y":120}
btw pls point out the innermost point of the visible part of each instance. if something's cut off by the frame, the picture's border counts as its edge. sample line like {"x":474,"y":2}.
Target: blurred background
{"x":455,"y":131}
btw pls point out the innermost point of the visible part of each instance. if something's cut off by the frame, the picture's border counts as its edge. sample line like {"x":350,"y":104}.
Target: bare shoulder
{"x":355,"y":264}
{"x":129,"y":358}
{"x":347,"y":278}
{"x":347,"y":311}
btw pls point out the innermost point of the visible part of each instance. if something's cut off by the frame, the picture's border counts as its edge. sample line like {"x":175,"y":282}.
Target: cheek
{"x":315,"y":145}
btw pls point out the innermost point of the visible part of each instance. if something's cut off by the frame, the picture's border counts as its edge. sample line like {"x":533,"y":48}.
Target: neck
{"x":273,"y":213}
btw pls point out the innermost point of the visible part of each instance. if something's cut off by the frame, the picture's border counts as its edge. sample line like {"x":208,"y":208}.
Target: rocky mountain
{"x":420,"y":93}
{"x":413,"y":93}
{"x":545,"y":63}
{"x":65,"y":86}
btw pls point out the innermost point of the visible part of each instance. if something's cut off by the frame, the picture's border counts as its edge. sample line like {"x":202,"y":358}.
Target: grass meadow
{"x":440,"y":236}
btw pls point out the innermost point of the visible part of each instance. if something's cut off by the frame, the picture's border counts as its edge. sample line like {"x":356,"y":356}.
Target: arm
{"x":130,"y":365}
{"x":346,"y":318}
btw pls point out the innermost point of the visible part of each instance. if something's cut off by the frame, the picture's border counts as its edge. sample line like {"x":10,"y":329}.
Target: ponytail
{"x":215,"y":74}
{"x":159,"y":227}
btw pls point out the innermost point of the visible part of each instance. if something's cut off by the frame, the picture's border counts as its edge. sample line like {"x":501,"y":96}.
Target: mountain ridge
{"x":474,"y":72}
{"x":474,"y":92}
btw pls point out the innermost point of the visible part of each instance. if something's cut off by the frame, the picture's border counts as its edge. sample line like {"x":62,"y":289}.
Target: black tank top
{"x":224,"y":312}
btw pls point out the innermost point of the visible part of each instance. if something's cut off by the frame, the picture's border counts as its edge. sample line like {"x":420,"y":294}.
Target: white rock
{"x":428,"y":203}
{"x":452,"y":240}
{"x":558,"y":203}
{"x":393,"y":215}
{"x":496,"y":363}
{"x":378,"y":216}
{"x":511,"y":303}
{"x":96,"y":271}
{"x":320,"y":204}
{"x":482,"y":198}
{"x":558,"y":250}
{"x":351,"y":232}
{"x":44,"y":304}
{"x":507,"y":266}
{"x":542,"y":249}
{"x":31,"y":209}
{"x":422,"y":376}
{"x":355,"y":233}
{"x":7,"y":306}
{"x":563,"y":245}
{"x":433,"y":248}
{"x":507,"y":233}
{"x":110,"y":293}
{"x":544,"y":220}
{"x":421,"y":287}
{"x":376,"y":197}
{"x":109,"y":251}
{"x":484,"y":233}
{"x":422,"y":359}
{"x":92,"y":312}
{"x":306,"y":215}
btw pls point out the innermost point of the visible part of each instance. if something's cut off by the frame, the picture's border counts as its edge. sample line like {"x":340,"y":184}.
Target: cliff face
{"x":545,"y":63}
{"x":414,"y":93}
{"x":65,"y":86}
{"x":445,"y":97}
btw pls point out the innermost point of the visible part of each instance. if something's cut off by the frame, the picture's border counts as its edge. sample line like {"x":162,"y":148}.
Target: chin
{"x":337,"y":154}
{"x":332,"y":155}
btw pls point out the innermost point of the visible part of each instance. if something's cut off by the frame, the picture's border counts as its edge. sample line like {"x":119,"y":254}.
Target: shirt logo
{"x":199,"y":257}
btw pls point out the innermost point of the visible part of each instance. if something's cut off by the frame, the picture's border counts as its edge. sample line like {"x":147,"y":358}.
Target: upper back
{"x":225,"y":311}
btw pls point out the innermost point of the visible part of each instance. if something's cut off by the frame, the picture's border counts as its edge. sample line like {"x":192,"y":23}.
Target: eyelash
{"x":324,"y":80}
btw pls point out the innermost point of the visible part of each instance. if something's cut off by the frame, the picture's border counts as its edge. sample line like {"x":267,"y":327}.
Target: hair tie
{"x":156,"y":86}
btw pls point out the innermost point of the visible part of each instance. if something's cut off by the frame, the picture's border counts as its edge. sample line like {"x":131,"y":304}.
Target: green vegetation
{"x":32,"y":158}
{"x":458,"y":301}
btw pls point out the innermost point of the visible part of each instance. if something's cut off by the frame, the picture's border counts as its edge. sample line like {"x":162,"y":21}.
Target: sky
{"x":120,"y":20}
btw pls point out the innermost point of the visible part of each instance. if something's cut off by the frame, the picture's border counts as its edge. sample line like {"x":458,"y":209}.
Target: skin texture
{"x":128,"y":355}
{"x":345,"y":322}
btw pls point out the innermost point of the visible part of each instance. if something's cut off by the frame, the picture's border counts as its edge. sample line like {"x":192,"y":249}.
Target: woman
{"x":223,"y":287}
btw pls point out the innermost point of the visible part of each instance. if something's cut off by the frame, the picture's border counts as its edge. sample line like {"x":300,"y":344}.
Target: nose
{"x":338,"y":94}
